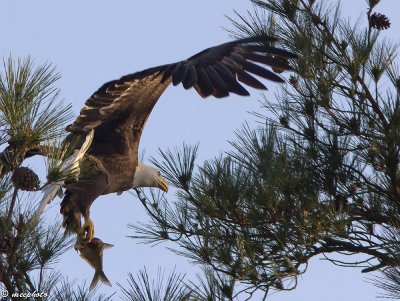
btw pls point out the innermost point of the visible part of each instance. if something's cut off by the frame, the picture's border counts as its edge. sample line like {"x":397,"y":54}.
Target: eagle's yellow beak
{"x":162,"y":183}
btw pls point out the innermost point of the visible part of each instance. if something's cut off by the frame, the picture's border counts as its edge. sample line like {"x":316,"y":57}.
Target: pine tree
{"x":322,"y":176}
{"x":32,"y":122}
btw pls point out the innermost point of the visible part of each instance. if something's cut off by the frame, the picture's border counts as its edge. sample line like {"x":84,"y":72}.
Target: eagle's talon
{"x":86,"y":233}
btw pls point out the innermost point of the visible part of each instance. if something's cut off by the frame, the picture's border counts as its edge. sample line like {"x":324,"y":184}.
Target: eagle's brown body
{"x":118,"y":111}
{"x":119,"y":139}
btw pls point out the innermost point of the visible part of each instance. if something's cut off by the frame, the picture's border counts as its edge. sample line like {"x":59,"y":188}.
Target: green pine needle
{"x":142,"y":288}
{"x":28,"y":103}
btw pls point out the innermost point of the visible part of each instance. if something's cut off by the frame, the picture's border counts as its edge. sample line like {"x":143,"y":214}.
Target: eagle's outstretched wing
{"x":215,"y":71}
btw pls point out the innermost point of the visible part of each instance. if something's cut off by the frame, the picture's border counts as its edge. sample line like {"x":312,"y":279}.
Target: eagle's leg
{"x":86,"y":232}
{"x":79,"y":197}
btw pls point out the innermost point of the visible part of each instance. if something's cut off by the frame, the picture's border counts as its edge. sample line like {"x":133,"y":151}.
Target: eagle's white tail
{"x":51,"y":189}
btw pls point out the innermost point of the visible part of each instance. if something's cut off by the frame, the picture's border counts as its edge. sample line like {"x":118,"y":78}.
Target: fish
{"x":92,"y":253}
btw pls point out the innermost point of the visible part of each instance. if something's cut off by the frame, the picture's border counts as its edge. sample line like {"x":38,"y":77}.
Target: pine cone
{"x":25,"y":179}
{"x":279,"y":59}
{"x":5,"y":243}
{"x":379,"y":21}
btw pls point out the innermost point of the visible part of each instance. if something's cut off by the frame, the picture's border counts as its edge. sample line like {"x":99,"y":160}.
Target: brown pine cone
{"x":5,"y":243}
{"x":25,"y":179}
{"x":379,"y":21}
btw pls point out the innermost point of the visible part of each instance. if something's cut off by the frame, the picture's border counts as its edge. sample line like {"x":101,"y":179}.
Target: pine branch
{"x":141,"y":288}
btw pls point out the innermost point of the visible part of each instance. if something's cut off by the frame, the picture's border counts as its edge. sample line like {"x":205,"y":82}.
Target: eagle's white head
{"x":148,"y":176}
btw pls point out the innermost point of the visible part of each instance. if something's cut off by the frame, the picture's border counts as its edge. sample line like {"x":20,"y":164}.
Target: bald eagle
{"x":116,"y":114}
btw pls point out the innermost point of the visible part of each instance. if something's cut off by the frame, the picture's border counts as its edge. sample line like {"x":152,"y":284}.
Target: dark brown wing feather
{"x":216,"y":71}
{"x":114,"y":100}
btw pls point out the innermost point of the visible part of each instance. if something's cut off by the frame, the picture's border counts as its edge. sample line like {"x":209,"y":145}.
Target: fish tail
{"x":99,"y":276}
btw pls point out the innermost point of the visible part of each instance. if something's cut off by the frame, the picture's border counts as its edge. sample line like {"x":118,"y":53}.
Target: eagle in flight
{"x":116,"y":114}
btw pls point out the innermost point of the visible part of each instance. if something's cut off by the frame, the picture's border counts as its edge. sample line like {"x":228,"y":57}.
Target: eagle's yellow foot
{"x":86,"y":233}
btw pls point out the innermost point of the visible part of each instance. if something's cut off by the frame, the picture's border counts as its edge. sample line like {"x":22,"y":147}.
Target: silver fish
{"x":92,"y":253}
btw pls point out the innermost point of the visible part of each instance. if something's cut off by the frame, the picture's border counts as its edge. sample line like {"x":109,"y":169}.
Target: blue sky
{"x":91,"y":42}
